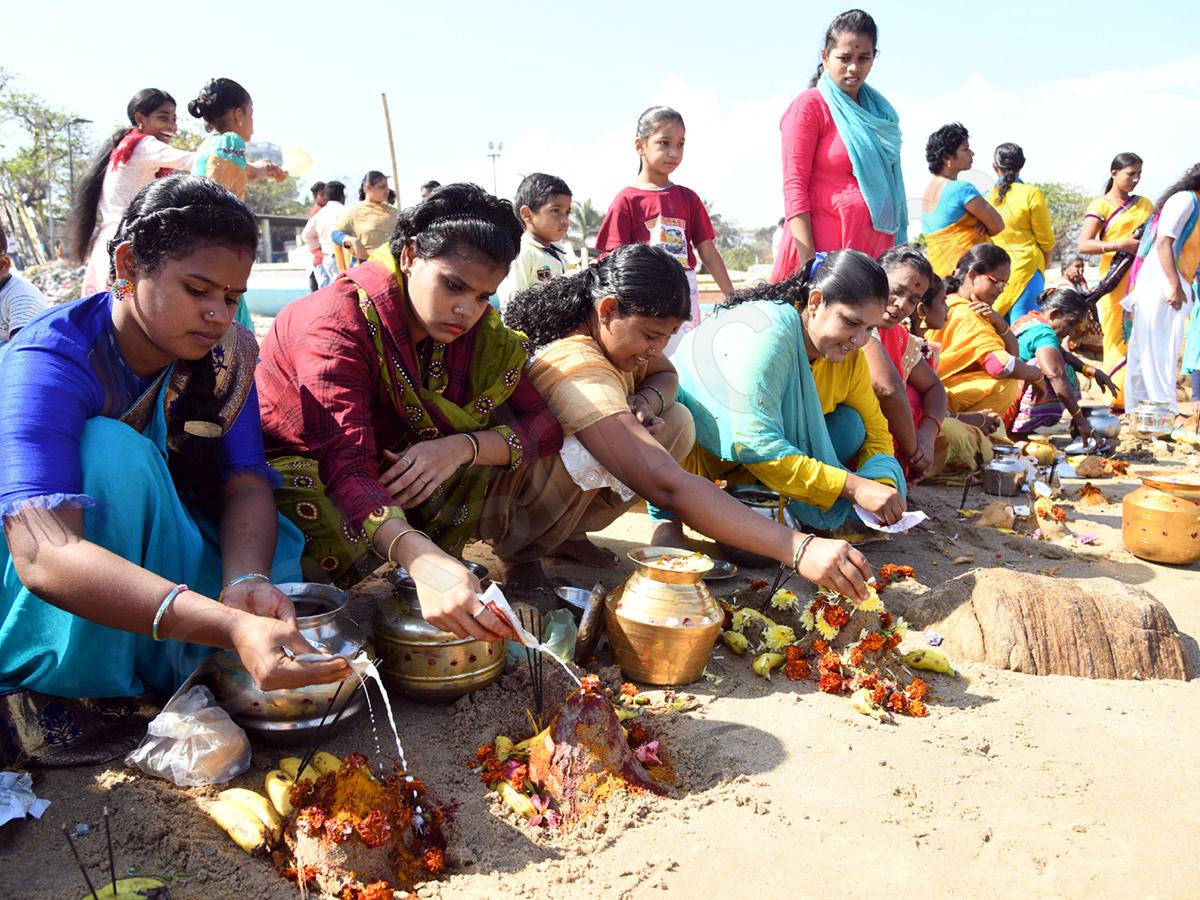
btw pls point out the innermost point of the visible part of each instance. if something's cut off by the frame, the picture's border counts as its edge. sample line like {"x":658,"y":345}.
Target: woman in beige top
{"x":369,"y":223}
{"x":600,"y":368}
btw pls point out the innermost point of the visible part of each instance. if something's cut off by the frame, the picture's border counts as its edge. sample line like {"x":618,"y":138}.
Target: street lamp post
{"x":494,"y":150}
{"x":71,"y":150}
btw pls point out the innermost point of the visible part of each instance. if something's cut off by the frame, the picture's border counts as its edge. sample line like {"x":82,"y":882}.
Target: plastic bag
{"x":559,"y":633}
{"x":192,"y":742}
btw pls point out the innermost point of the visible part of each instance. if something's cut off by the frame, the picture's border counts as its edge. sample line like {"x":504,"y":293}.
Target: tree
{"x":35,"y":168}
{"x":585,"y":222}
{"x":267,"y":197}
{"x":1067,"y":203}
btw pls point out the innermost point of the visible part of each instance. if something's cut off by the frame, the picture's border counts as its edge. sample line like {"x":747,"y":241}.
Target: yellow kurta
{"x":802,"y":477}
{"x":371,"y":223}
{"x":1112,"y":317}
{"x":1028,"y":236}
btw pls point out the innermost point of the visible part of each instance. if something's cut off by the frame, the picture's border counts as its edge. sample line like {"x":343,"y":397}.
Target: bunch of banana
{"x":248,"y":818}
{"x":279,"y":781}
{"x":765,"y":663}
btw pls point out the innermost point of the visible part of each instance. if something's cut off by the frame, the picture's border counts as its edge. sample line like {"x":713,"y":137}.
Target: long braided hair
{"x":647,"y":281}
{"x":168,"y":219}
{"x":1009,"y":159}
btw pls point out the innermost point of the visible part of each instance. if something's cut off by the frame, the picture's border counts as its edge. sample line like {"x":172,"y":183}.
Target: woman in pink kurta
{"x":824,"y":204}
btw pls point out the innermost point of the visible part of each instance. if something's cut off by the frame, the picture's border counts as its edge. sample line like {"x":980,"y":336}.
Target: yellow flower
{"x":743,"y":617}
{"x":778,"y":636}
{"x":872,"y":603}
{"x":807,"y":622}
{"x":901,"y":627}
{"x":1044,"y":507}
{"x":784,"y":599}
{"x":827,"y":631}
{"x":735,"y":641}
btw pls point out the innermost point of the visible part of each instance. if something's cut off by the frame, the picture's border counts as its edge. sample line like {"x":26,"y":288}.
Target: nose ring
{"x":211,"y":314}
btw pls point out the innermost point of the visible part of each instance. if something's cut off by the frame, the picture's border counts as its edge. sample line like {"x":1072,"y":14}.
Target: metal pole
{"x":50,"y":252}
{"x":71,"y":157}
{"x":387,"y":118}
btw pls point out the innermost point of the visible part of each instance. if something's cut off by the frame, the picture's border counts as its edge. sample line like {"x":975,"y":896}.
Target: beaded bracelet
{"x":239,"y":580}
{"x":175,"y":592}
{"x":808,"y":539}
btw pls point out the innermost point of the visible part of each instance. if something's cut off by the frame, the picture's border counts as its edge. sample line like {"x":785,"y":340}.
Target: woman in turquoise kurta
{"x":135,"y":485}
{"x":954,"y":215}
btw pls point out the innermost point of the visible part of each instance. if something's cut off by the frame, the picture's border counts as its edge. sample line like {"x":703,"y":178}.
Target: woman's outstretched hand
{"x":837,"y":566}
{"x":260,"y":642}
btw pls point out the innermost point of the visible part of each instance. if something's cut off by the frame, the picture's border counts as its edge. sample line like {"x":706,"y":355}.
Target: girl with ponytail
{"x":1028,"y":234}
{"x":601,"y":368}
{"x":781,"y":392}
{"x":842,"y":181}
{"x":1112,"y":226}
{"x":1060,"y":314}
{"x":136,"y":500}
{"x":228,"y":114}
{"x":979,"y":363}
{"x":124,"y":164}
{"x":394,"y":397}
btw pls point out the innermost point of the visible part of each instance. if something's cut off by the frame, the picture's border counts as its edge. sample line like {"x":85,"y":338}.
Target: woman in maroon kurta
{"x":390,"y":397}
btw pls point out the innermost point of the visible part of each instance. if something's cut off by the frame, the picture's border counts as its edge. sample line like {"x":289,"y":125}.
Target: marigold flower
{"x":757,"y":584}
{"x":820,"y":647}
{"x":885,"y":619}
{"x":897,"y":702}
{"x":829,"y":662}
{"x":793,"y":653}
{"x":893,"y":641}
{"x":917,"y":709}
{"x":856,"y":656}
{"x":590,"y":684}
{"x":890,"y":572}
{"x":837,"y":616}
{"x":434,"y":860}
{"x":1059,"y":514}
{"x":635,"y":733}
{"x":817,"y":605}
{"x":879,"y":693}
{"x":831,"y":683}
{"x":797,"y":669}
{"x":628,"y":690}
{"x":872,"y":642}
{"x":916,"y":690}
{"x":778,"y":636}
{"x":1044,"y":507}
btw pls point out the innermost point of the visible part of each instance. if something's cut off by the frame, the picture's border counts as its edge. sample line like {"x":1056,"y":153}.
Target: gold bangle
{"x":404,"y":533}
{"x":474,"y":446}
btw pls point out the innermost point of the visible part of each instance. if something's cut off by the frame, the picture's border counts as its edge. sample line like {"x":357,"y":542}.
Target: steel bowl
{"x":756,"y":497}
{"x":292,"y":715}
{"x":1103,"y":421}
{"x":572,"y":599}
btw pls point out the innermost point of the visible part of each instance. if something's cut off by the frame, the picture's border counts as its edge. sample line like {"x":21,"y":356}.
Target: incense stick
{"x":79,"y":862}
{"x":536,"y":663}
{"x":962,"y":504}
{"x":112,"y":866}
{"x":320,"y":733}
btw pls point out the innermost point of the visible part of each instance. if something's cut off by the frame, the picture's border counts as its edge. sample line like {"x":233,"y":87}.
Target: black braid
{"x":844,"y":276}
{"x":195,"y":461}
{"x":1009,"y":159}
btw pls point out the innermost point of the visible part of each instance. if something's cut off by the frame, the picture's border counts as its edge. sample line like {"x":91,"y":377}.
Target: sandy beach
{"x":1044,"y":785}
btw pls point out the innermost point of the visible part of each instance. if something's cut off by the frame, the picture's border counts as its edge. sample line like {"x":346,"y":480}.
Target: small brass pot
{"x":662,"y":623}
{"x":1160,"y":521}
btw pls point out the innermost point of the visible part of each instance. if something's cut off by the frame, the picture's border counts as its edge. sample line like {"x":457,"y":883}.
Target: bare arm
{"x":893,"y":397}
{"x":1090,"y":243}
{"x":715,"y":263}
{"x":55,"y":562}
{"x":1165,"y":248}
{"x":801,"y":229}
{"x":989,"y":218}
{"x":924,"y":380}
{"x":627,"y":450}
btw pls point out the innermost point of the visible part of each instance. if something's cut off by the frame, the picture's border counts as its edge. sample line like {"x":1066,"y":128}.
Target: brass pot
{"x":1160,"y":521}
{"x":662,"y":623}
{"x":420,"y":660}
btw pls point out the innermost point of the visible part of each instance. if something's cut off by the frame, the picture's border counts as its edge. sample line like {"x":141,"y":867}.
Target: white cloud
{"x":1070,"y":128}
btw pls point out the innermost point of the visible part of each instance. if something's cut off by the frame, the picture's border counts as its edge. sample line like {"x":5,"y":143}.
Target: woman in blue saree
{"x":134,"y":489}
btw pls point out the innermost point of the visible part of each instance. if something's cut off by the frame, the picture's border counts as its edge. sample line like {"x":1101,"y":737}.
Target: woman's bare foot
{"x":669,"y":534}
{"x":527,"y":578}
{"x":584,"y":551}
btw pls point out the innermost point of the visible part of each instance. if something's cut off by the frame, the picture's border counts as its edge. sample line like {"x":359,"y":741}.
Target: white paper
{"x":907,"y":521}
{"x":17,"y":799}
{"x":493,"y":598}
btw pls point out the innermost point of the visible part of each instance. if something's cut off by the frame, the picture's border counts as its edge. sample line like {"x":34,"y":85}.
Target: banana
{"x":516,"y":801}
{"x":325,"y":762}
{"x":862,"y":702}
{"x":290,"y":764}
{"x":735,"y":641}
{"x":241,"y":824}
{"x":278,"y":786}
{"x":257,"y":804}
{"x":764,"y":663}
{"x":504,"y":747}
{"x":933,"y":660}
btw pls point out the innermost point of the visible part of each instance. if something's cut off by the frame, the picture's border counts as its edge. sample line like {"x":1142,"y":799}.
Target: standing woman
{"x":1110,"y":228}
{"x":369,"y":223}
{"x":954,"y":215}
{"x":125,"y":164}
{"x":228,"y":113}
{"x":1028,"y":234}
{"x":139,"y":524}
{"x":842,"y":184}
{"x":392,"y":398}
{"x":1162,"y":294}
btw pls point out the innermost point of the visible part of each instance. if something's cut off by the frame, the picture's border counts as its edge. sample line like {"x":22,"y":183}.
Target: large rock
{"x":1098,"y":628}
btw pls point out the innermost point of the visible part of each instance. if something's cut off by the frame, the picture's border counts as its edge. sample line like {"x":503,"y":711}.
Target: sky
{"x":561,"y":85}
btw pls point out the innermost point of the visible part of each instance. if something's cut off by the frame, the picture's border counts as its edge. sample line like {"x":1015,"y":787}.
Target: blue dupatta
{"x":745,"y":376}
{"x":870,"y":129}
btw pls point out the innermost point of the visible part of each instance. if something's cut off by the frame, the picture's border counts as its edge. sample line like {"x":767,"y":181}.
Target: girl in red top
{"x":652,"y":210}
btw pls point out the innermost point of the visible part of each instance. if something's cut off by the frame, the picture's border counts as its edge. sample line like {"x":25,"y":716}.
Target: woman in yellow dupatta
{"x":954,"y":215}
{"x":1028,"y":234}
{"x":979,"y":362}
{"x":1108,"y":229}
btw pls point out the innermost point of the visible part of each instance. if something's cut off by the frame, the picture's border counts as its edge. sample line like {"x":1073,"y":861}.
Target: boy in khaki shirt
{"x":544,"y":204}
